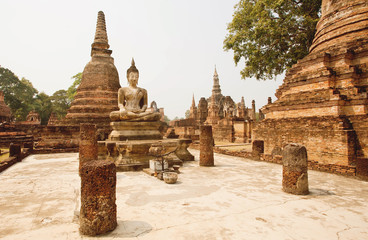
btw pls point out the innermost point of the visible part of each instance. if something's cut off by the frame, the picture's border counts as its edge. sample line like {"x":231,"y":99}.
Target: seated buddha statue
{"x":132,"y":101}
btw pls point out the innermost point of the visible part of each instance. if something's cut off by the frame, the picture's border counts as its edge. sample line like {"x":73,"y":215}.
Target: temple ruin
{"x":97,"y":93}
{"x":95,"y":98}
{"x":230,"y":122}
{"x":322,"y":103}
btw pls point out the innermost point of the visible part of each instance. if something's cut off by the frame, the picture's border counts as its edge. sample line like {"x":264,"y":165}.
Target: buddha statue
{"x":132,"y":101}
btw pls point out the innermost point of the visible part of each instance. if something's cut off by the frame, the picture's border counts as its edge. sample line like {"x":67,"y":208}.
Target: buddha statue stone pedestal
{"x":122,"y":131}
{"x":135,"y":130}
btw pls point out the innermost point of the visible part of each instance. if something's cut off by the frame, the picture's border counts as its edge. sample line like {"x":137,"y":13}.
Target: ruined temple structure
{"x":53,"y":119}
{"x":33,"y":118}
{"x":97,"y":93}
{"x":322,"y":103}
{"x":230,"y":122}
{"x":95,"y":98}
{"x":5,"y":113}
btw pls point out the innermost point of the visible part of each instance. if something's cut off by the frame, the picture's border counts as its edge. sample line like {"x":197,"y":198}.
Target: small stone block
{"x":295,"y":170}
{"x":14,"y":150}
{"x":156,"y":165}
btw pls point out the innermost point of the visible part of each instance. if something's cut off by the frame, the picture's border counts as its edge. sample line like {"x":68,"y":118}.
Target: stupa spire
{"x":193,"y":101}
{"x":101,"y":41}
{"x":216,"y":90}
{"x":242,"y":102}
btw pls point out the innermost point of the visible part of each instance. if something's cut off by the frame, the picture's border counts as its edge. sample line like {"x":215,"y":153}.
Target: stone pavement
{"x":236,"y":199}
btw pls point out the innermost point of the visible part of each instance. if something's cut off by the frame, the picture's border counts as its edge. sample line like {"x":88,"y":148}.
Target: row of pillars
{"x":98,"y":178}
{"x":295,"y":162}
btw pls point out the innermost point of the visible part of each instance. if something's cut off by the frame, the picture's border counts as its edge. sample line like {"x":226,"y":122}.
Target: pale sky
{"x":175,"y":44}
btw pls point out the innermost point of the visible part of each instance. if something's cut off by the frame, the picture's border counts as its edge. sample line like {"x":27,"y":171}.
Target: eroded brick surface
{"x":206,"y":146}
{"x":98,"y":196}
{"x":322,"y":103}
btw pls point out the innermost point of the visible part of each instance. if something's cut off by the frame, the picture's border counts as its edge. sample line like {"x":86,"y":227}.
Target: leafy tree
{"x":271,"y":35}
{"x":43,"y":106}
{"x":166,"y":119}
{"x":60,"y":103}
{"x":72,"y":90}
{"x":187,"y":113}
{"x":19,"y":94}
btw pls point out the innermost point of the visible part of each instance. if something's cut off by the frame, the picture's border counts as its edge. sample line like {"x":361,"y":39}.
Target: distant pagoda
{"x":97,"y":93}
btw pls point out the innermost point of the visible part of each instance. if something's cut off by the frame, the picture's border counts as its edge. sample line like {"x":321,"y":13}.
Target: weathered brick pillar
{"x":15,"y":150}
{"x":88,"y":149}
{"x":362,"y":168}
{"x":257,"y":148}
{"x":206,"y":146}
{"x":295,"y":169}
{"x":98,"y":194}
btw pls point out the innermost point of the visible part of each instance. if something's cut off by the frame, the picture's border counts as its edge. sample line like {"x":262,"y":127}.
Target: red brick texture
{"x":98,"y":196}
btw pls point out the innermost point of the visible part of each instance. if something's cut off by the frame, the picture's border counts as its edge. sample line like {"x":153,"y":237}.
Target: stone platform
{"x":237,"y":199}
{"x":133,"y":155}
{"x":122,"y":131}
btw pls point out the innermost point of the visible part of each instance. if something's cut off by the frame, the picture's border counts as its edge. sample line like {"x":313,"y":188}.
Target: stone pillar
{"x":15,"y":150}
{"x":257,"y":148}
{"x":88,"y":149}
{"x":98,"y":194}
{"x":362,"y":168}
{"x":295,"y":169}
{"x":206,"y":146}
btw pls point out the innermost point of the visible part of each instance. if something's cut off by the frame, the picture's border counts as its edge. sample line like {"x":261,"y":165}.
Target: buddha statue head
{"x":133,"y":74}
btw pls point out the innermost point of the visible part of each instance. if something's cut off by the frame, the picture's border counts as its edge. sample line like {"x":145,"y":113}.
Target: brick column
{"x":362,"y":168}
{"x":295,"y":169}
{"x":257,"y":148}
{"x":15,"y":150}
{"x":206,"y":146}
{"x":88,"y":149}
{"x":98,"y":194}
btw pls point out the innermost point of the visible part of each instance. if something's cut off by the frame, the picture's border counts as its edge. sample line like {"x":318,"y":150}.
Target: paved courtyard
{"x":237,"y":199}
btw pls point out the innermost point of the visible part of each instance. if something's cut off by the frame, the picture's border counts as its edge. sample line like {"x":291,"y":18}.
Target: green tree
{"x":43,"y":106}
{"x":60,"y":103}
{"x":166,"y":119}
{"x":271,"y":35}
{"x":72,"y":90}
{"x":187,"y":113}
{"x":19,"y":94}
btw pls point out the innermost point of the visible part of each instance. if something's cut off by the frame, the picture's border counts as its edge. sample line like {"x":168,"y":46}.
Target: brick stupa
{"x":97,"y":93}
{"x":323,"y":102}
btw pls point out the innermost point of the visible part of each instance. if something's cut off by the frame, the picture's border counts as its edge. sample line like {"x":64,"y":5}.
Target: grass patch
{"x":4,"y":156}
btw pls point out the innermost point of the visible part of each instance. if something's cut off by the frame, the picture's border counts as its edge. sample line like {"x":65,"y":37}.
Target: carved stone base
{"x":122,"y":131}
{"x":133,"y":155}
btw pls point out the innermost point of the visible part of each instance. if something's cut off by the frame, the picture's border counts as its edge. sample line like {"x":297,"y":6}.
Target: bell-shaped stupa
{"x":323,"y":101}
{"x":97,"y":93}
